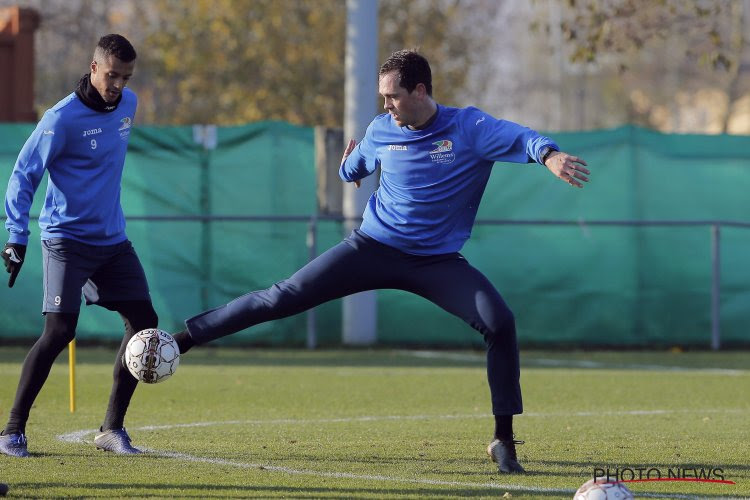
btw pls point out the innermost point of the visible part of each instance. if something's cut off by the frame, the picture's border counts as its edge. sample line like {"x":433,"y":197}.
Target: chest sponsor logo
{"x":92,"y":131}
{"x":443,"y":152}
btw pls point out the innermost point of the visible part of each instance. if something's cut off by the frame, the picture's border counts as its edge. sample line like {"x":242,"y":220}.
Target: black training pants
{"x":360,"y":263}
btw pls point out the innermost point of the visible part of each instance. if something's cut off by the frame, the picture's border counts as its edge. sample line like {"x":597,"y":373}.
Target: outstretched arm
{"x":567,"y":167}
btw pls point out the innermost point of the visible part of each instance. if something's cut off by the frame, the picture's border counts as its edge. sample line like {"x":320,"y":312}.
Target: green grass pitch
{"x":236,"y":423}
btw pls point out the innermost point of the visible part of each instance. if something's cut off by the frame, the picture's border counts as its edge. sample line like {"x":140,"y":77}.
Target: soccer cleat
{"x":116,"y":441}
{"x":503,"y":453}
{"x":14,"y":445}
{"x":3,"y":489}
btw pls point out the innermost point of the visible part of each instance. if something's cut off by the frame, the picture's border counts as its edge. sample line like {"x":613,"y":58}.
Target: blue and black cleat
{"x":13,"y":445}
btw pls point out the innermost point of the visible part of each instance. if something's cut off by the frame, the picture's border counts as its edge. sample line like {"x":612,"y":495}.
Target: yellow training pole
{"x":72,"y":374}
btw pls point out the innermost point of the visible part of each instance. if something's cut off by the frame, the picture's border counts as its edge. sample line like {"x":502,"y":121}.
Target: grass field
{"x":236,"y":423}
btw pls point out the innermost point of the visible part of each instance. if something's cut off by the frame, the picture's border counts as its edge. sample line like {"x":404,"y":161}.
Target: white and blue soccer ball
{"x":152,"y":355}
{"x":603,"y":488}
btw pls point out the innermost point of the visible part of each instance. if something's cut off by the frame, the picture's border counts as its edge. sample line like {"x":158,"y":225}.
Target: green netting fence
{"x":578,"y":267}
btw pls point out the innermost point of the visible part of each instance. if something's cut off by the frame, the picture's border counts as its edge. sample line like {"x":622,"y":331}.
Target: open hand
{"x":567,"y":167}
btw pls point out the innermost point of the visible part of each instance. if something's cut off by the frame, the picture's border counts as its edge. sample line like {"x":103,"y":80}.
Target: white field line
{"x":78,"y":436}
{"x":571,"y":363}
{"x":388,"y":479}
{"x":366,"y":477}
{"x":82,"y":436}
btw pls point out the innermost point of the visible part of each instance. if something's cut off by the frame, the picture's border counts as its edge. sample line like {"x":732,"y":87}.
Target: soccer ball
{"x":600,"y":489}
{"x":152,"y":355}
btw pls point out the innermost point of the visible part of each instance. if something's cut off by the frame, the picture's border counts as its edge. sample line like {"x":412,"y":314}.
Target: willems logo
{"x":646,"y":474}
{"x":443,"y":152}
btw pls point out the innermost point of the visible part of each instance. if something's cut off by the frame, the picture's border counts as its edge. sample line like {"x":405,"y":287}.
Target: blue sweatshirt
{"x":432,"y":180}
{"x":84,"y":152}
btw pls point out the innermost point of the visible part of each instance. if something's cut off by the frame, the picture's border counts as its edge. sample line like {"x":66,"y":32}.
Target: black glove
{"x":13,"y":255}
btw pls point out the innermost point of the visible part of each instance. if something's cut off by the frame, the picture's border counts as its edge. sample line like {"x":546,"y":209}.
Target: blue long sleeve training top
{"x":84,"y":152}
{"x":432,"y":180}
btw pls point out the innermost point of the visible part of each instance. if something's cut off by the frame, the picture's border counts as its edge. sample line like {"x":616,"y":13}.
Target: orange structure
{"x":17,"y":27}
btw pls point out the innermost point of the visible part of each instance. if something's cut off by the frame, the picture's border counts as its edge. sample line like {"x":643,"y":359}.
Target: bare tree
{"x":674,"y":65}
{"x":235,"y":61}
{"x":667,"y":65}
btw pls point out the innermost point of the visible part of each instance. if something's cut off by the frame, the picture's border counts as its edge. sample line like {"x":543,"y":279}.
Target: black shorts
{"x":103,"y":274}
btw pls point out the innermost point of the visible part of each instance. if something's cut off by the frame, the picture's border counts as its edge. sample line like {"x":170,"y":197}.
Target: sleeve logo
{"x":124,"y":129}
{"x":126,"y":123}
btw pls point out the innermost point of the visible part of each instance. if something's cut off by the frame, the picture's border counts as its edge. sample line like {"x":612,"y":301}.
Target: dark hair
{"x":116,"y":45}
{"x":412,"y":69}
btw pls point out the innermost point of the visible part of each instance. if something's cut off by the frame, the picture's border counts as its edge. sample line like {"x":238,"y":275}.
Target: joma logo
{"x":92,"y":131}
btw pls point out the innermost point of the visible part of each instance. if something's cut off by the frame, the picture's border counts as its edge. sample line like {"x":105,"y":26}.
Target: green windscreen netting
{"x":564,"y":259}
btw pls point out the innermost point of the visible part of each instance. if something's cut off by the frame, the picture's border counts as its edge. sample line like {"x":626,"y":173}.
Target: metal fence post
{"x":312,"y":250}
{"x":715,"y":288}
{"x":206,"y":137}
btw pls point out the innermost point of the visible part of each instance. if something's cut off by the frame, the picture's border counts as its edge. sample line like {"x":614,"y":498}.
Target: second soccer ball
{"x":603,"y":489}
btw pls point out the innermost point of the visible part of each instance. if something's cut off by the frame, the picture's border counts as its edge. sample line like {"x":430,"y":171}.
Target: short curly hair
{"x":115,"y":45}
{"x":412,"y":69}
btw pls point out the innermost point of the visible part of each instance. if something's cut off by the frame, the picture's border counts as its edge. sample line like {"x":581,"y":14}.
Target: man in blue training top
{"x":81,"y":142}
{"x":435,"y":162}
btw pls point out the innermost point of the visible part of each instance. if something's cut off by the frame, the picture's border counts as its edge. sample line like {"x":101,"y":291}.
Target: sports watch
{"x":546,"y":152}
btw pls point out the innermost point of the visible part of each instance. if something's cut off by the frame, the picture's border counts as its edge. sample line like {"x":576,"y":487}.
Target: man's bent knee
{"x":502,"y":327}
{"x":60,"y":327}
{"x":137,"y":314}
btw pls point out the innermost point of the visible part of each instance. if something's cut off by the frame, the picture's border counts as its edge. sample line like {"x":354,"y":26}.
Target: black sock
{"x":59,"y":330}
{"x":184,"y":341}
{"x":119,"y":399}
{"x":16,"y":423}
{"x":504,"y":427}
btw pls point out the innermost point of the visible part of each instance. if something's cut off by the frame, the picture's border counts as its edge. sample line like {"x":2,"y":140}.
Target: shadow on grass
{"x":110,"y":490}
